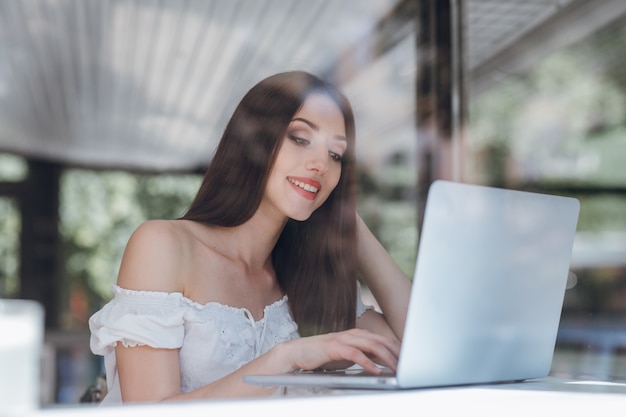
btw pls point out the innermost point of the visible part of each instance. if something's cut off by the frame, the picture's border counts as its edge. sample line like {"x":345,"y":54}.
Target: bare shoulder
{"x":153,"y":256}
{"x":167,"y":231}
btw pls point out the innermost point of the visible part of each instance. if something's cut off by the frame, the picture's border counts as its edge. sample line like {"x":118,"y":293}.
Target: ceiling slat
{"x":150,"y":83}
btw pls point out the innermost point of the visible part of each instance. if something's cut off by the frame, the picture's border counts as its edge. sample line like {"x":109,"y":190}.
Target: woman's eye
{"x":298,"y":140}
{"x":335,"y":156}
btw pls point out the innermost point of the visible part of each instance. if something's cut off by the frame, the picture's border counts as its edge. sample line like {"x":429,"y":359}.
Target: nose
{"x":318,"y":161}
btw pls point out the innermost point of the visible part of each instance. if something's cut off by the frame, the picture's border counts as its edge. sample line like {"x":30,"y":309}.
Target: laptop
{"x":487,"y":293}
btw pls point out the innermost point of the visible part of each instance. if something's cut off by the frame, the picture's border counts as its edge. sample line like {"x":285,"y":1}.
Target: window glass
{"x":561,"y":128}
{"x":383,"y":99}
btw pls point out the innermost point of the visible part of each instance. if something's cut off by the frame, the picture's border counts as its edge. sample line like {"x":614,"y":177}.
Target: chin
{"x":300,"y":218}
{"x":301,"y":214}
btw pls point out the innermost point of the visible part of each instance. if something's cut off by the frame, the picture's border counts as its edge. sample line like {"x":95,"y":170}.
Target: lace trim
{"x":149,"y":297}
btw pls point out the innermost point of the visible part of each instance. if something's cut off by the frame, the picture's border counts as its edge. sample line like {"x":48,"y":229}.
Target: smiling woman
{"x":268,"y":253}
{"x":310,"y":158}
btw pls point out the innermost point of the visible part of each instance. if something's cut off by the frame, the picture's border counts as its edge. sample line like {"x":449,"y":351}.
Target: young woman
{"x":260,"y":275}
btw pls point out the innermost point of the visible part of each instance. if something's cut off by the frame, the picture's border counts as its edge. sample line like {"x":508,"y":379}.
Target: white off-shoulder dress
{"x":213,"y":339}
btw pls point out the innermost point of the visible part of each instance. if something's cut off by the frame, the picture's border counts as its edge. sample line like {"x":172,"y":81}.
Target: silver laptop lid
{"x":488,"y":286}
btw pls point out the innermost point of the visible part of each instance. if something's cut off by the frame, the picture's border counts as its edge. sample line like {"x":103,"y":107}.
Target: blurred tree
{"x":562,"y":127}
{"x":100,"y":210}
{"x":9,"y":248}
{"x":12,"y":169}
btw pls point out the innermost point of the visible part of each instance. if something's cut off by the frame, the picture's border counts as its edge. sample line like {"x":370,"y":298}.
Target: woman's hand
{"x":354,"y":346}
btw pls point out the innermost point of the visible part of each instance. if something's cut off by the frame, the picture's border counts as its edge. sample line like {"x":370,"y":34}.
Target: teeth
{"x":304,"y":186}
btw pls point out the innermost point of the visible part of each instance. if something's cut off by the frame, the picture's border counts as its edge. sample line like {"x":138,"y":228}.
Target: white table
{"x":545,"y":397}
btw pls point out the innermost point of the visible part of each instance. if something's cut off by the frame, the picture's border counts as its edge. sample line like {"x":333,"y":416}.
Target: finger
{"x":358,"y":357}
{"x":380,"y":346}
{"x":385,"y":357}
{"x":372,"y":346}
{"x":391,"y":343}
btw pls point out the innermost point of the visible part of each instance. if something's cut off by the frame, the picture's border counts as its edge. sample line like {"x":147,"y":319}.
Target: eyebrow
{"x":316,"y":127}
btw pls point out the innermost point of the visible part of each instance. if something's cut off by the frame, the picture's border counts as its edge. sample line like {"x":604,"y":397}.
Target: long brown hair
{"x":314,"y":260}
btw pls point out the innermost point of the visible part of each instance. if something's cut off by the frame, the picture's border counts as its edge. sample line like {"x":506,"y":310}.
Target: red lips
{"x":306,"y":187}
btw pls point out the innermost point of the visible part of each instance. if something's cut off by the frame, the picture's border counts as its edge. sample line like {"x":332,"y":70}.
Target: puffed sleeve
{"x":136,"y":318}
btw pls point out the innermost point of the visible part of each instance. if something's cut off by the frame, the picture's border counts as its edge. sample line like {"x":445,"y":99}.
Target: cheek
{"x":338,"y":171}
{"x":333,"y":178}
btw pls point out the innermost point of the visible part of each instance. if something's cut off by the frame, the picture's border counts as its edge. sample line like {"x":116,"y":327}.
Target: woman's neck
{"x":252,"y":242}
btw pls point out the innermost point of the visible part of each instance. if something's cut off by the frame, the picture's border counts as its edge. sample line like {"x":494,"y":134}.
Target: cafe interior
{"x":111,"y":110}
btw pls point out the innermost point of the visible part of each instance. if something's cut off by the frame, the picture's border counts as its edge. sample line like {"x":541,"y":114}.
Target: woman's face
{"x":308,"y":166}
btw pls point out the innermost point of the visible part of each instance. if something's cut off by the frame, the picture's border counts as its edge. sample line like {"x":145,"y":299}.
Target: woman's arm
{"x":152,"y":261}
{"x":355,"y":346}
{"x":386,"y":280}
{"x":149,"y":374}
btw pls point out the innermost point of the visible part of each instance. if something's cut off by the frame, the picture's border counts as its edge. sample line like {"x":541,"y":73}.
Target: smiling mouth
{"x":305,"y":186}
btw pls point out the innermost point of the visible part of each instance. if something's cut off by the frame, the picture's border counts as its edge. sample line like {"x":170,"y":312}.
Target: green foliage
{"x":9,"y":247}
{"x":602,"y":214}
{"x":100,"y":210}
{"x":548,"y":124}
{"x":12,"y":168}
{"x":398,"y":233}
{"x":388,"y":208}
